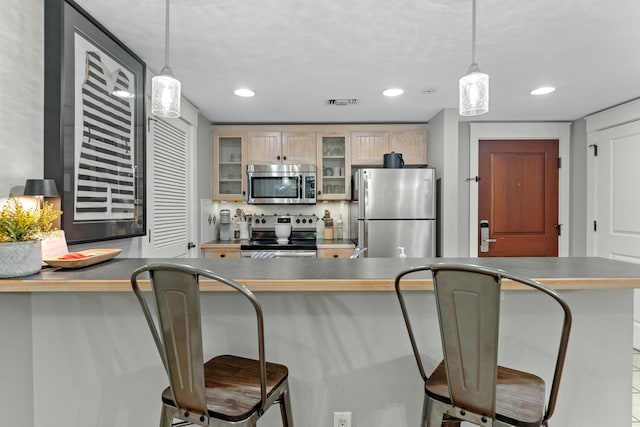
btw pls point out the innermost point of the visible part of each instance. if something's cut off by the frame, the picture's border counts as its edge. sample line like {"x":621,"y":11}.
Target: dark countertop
{"x":214,"y":243}
{"x":364,"y":274}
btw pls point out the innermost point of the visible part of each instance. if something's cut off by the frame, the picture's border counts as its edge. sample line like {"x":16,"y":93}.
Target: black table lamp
{"x":40,"y":188}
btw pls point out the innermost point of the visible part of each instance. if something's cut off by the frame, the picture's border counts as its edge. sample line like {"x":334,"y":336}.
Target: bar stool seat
{"x":519,"y":395}
{"x":235,"y":379}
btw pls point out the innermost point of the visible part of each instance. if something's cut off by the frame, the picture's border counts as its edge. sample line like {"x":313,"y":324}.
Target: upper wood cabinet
{"x":334,"y":168}
{"x":299,"y":148}
{"x":411,"y":143}
{"x":368,"y":148}
{"x":228,"y":174}
{"x":268,"y":148}
{"x":319,"y":144}
{"x":264,"y":148}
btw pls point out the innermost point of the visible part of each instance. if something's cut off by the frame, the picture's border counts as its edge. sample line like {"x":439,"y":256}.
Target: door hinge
{"x":595,"y":225}
{"x":595,"y":149}
{"x":559,"y":162}
{"x":559,"y":228}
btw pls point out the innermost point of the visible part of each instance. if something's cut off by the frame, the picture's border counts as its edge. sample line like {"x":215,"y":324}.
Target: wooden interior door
{"x":518,"y":197}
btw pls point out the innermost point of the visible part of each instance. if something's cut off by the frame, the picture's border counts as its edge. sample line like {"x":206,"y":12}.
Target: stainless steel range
{"x":264,"y":244}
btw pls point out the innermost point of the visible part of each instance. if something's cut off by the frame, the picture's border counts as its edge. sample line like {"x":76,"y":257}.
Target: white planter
{"x":20,"y":258}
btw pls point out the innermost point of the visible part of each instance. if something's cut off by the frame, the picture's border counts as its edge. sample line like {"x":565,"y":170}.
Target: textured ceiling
{"x":296,"y":54}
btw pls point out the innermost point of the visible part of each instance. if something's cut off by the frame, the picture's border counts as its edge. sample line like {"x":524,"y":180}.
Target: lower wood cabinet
{"x":220,"y":253}
{"x":334,"y":253}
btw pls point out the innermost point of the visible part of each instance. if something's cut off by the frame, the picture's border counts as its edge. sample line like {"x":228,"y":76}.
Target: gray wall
{"x":578,"y":189}
{"x":21,"y":93}
{"x":443,"y":142}
{"x":463,"y":194}
{"x":21,"y":107}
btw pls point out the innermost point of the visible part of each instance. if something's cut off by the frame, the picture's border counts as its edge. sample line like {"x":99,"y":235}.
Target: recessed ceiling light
{"x":543,"y":90}
{"x":393,"y":92}
{"x":246,"y":93}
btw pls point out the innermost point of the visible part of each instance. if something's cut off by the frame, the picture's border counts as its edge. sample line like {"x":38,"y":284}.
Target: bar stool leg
{"x":285,"y":409}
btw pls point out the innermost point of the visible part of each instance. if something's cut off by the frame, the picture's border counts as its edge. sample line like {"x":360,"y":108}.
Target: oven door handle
{"x":294,"y":254}
{"x":300,"y":187}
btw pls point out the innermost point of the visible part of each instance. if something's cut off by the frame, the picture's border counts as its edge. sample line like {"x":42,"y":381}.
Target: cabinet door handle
{"x":278,"y":157}
{"x":223,"y":255}
{"x":284,"y":157}
{"x":335,"y":255}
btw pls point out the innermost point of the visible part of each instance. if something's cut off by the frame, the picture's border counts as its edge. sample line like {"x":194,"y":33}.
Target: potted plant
{"x":21,"y":232}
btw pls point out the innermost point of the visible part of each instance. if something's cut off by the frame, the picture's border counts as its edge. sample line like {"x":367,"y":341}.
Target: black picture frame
{"x":94,"y":142}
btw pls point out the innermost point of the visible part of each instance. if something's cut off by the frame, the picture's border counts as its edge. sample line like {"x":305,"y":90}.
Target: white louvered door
{"x":169,"y":204}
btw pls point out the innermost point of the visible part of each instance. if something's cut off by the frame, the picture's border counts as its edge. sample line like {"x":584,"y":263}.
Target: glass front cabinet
{"x":229,"y":177}
{"x":334,"y":167}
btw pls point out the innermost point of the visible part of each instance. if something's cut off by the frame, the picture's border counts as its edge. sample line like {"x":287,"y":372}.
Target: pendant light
{"x":474,"y":87}
{"x":165,"y":88}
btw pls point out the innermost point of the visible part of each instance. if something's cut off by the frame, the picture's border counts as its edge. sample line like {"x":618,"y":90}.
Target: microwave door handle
{"x":300,"y":188}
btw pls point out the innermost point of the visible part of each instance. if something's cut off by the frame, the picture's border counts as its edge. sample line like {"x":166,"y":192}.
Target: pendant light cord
{"x":166,"y":34}
{"x":473,"y":33}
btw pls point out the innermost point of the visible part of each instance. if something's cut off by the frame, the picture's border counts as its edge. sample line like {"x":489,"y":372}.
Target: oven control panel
{"x":298,"y":222}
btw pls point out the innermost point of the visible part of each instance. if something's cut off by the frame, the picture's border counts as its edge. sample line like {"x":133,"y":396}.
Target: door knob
{"x":484,"y":236}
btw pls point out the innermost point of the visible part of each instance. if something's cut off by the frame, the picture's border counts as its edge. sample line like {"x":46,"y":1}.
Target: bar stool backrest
{"x":178,"y":306}
{"x":468,"y":308}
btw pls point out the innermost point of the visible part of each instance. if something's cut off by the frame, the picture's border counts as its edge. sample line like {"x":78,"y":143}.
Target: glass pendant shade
{"x":165,"y":95}
{"x":474,"y":92}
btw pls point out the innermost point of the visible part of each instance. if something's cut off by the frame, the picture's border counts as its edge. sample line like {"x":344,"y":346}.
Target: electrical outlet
{"x":342,"y":419}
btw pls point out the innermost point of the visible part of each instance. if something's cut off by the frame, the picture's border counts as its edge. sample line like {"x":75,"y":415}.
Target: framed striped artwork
{"x":94,"y":126}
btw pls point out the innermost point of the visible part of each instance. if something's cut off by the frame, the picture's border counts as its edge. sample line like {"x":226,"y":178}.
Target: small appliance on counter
{"x":283,"y":230}
{"x":393,"y":160}
{"x":226,"y":229}
{"x":328,"y":225}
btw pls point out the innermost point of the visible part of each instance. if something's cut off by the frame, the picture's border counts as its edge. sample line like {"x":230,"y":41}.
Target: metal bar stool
{"x":469,"y":384}
{"x":226,"y":390}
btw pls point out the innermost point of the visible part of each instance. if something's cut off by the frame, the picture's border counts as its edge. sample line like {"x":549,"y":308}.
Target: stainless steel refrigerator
{"x":394,"y":208}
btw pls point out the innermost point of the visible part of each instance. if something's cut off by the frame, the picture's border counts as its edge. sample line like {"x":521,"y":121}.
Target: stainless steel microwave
{"x":281,"y":184}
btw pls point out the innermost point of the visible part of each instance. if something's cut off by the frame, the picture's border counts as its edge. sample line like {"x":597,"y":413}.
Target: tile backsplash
{"x":211,"y":209}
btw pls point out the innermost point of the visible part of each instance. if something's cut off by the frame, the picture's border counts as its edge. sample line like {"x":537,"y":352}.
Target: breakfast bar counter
{"x":76,"y":349}
{"x":318,"y":275}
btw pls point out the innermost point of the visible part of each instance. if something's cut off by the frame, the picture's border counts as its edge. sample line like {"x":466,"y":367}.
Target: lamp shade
{"x":474,"y":93}
{"x":165,"y":95}
{"x":40,"y":187}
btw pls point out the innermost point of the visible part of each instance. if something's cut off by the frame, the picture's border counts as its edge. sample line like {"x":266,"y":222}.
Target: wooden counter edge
{"x":305,"y":285}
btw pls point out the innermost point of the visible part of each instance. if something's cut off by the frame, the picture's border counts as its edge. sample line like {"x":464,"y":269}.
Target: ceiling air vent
{"x":342,"y":101}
